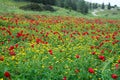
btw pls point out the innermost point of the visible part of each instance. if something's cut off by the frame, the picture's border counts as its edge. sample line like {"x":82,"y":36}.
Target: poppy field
{"x":34,"y":47}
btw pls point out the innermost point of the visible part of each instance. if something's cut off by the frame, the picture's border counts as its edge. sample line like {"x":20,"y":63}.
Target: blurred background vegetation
{"x":60,"y":8}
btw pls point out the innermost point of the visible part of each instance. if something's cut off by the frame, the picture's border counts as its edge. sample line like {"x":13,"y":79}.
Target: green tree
{"x":103,"y":6}
{"x":95,"y":5}
{"x":90,"y":6}
{"x":60,"y":3}
{"x":82,"y":7}
{"x":66,"y":3}
{"x":74,"y":5}
{"x":109,"y":6}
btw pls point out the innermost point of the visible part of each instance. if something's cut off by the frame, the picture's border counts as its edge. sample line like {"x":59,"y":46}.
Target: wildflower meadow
{"x":34,"y":47}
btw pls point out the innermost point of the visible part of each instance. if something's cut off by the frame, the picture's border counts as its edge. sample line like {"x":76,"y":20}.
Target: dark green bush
{"x":49,"y":8}
{"x":33,"y":7}
{"x":37,"y":7}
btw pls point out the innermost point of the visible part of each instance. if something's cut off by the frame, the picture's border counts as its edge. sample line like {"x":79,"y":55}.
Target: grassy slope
{"x":10,"y":6}
{"x":115,"y":14}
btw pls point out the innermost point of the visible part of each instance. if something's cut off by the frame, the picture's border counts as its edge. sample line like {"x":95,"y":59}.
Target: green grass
{"x":115,"y":14}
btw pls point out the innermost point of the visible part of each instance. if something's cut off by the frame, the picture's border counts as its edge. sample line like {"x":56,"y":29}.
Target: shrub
{"x":37,"y":7}
{"x":49,"y":8}
{"x":33,"y":7}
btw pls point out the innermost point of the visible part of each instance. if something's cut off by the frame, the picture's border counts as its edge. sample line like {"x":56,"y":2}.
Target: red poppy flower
{"x":102,"y":51}
{"x":101,"y":58}
{"x":93,"y":53}
{"x":76,"y":70}
{"x":117,"y":66}
{"x":115,"y":33}
{"x":19,"y":34}
{"x":7,"y":74}
{"x":3,"y":28}
{"x":38,"y":40}
{"x":101,"y":44}
{"x":91,"y":70}
{"x":1,"y":58}
{"x":115,"y":41}
{"x":118,"y":61}
{"x":55,"y":33}
{"x":2,"y":43}
{"x":85,"y":33}
{"x":92,"y":47}
{"x":113,"y":37}
{"x":32,"y":45}
{"x":9,"y":32}
{"x":12,"y":36}
{"x":77,"y":56}
{"x":49,"y":26}
{"x":50,"y":67}
{"x":97,"y":37}
{"x":12,"y":53}
{"x":114,"y":76}
{"x":11,"y":48}
{"x":108,"y":36}
{"x":47,"y":34}
{"x":51,"y":52}
{"x":45,"y":42}
{"x":64,"y":78}
{"x":16,"y":45}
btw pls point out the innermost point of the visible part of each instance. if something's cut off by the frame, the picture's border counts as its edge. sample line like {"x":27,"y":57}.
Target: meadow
{"x":37,"y":47}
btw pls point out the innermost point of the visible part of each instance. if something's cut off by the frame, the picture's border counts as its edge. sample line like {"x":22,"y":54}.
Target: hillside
{"x":10,"y":6}
{"x":109,"y":13}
